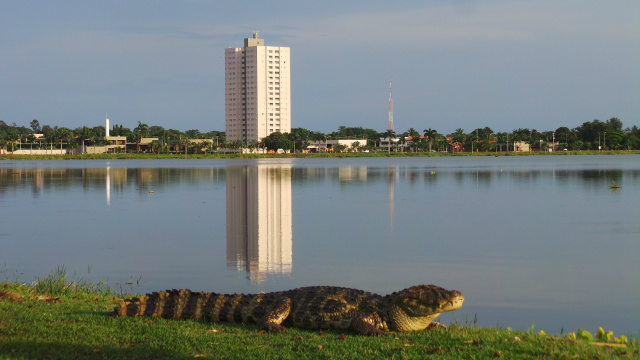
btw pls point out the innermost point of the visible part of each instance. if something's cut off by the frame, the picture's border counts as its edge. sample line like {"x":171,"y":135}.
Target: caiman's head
{"x":421,"y":304}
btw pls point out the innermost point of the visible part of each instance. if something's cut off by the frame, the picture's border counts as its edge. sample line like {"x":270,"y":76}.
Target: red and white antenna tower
{"x":390,"y":127}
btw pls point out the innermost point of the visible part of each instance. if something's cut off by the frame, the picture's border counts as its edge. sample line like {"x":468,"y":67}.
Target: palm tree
{"x":96,"y":138}
{"x":13,"y":136}
{"x":165,"y":140}
{"x":254,"y":144}
{"x":156,"y":147}
{"x":234,"y":145}
{"x":442,"y":143}
{"x":142,"y":128}
{"x":415,"y":137}
{"x":140,"y":131}
{"x":389,"y":134}
{"x":64,"y":134}
{"x":3,"y":141}
{"x":430,"y":135}
{"x":83,"y":133}
{"x":318,"y":137}
{"x":501,"y":138}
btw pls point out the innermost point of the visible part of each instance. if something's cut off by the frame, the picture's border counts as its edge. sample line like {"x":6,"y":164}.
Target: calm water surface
{"x":525,"y":239}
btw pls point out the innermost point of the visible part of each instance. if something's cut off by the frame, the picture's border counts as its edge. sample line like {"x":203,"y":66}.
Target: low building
{"x":388,"y":145}
{"x":516,"y":146}
{"x":330,"y":145}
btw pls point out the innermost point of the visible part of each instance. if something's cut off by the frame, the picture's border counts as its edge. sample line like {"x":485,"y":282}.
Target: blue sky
{"x":505,"y":64}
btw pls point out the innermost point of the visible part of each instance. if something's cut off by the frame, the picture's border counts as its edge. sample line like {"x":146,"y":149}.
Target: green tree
{"x":317,"y":136}
{"x":234,"y":145}
{"x":614,"y":124}
{"x":616,"y":139}
{"x":300,"y":137}
{"x":156,"y":147}
{"x":339,"y":148}
{"x":484,"y":133}
{"x":254,"y":144}
{"x":193,"y":134}
{"x":141,"y":131}
{"x":119,"y":130}
{"x":35,"y":125}
{"x":502,"y":138}
{"x":415,"y":138}
{"x":633,"y":137}
{"x":3,"y":140}
{"x":471,"y":141}
{"x":458,"y":136}
{"x":485,"y":145}
{"x":430,"y":136}
{"x":46,"y":130}
{"x":97,"y":136}
{"x":277,"y":140}
{"x":12,"y":136}
{"x":142,"y":128}
{"x":389,"y":135}
{"x":64,"y":135}
{"x":590,"y":132}
{"x":156,"y":131}
{"x":84,"y":134}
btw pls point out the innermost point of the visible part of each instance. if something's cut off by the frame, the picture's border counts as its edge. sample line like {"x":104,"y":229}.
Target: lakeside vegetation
{"x":146,"y":156}
{"x":591,"y":135}
{"x":59,"y":318}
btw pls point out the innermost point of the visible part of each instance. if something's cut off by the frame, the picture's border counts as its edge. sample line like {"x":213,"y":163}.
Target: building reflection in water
{"x":259,"y":220}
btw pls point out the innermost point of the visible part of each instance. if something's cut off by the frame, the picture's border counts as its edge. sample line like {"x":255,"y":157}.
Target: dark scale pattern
{"x":317,"y":307}
{"x":240,"y":307}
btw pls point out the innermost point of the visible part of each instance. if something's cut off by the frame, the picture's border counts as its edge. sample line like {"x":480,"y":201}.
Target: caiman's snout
{"x":453,"y":302}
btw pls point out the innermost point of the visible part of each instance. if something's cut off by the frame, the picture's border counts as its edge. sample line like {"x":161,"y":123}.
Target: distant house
{"x":329,"y":145}
{"x":388,"y":145}
{"x":516,"y":146}
{"x":113,"y":144}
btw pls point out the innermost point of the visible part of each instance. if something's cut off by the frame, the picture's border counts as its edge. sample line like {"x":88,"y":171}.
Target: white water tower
{"x":106,"y":126}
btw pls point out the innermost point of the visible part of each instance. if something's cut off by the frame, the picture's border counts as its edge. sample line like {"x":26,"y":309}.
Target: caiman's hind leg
{"x":271,"y":322}
{"x":368,"y":324}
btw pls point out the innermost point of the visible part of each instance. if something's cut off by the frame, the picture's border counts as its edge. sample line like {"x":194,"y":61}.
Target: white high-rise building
{"x":257,"y":91}
{"x":259,"y":218}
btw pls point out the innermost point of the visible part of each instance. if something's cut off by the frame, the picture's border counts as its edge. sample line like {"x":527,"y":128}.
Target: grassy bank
{"x":135,"y":156}
{"x":55,"y":318}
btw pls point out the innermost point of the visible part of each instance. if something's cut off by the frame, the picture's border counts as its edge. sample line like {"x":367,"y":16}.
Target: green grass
{"x":75,"y":324}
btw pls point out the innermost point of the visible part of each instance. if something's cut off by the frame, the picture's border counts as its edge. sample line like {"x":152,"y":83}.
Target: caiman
{"x":316,"y":307}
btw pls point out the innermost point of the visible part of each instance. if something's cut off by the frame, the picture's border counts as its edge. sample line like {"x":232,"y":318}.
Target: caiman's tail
{"x":174,"y":304}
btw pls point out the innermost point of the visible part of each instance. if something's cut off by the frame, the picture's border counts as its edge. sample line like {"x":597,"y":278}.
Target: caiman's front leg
{"x":271,"y":322}
{"x":368,"y":324}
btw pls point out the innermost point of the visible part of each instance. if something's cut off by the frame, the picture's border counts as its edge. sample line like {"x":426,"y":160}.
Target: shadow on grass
{"x":34,"y":350}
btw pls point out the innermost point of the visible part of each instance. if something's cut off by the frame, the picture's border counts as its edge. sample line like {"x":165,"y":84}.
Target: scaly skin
{"x":316,"y":307}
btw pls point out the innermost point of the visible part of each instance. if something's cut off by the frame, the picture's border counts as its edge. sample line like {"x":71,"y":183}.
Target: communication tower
{"x":390,"y":127}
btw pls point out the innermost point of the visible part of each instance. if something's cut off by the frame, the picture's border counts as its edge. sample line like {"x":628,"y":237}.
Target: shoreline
{"x":135,"y":156}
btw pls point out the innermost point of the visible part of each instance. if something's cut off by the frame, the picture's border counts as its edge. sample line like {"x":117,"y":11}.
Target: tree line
{"x":12,"y":136}
{"x":591,"y":135}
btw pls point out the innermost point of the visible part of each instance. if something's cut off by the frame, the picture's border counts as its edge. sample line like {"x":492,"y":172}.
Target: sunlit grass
{"x":58,"y":283}
{"x":58,"y":317}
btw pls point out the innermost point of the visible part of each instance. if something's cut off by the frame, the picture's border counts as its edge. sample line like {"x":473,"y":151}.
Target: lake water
{"x":527,"y":240}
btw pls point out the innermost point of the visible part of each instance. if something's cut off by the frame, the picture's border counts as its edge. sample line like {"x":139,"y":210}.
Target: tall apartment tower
{"x":257,"y":91}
